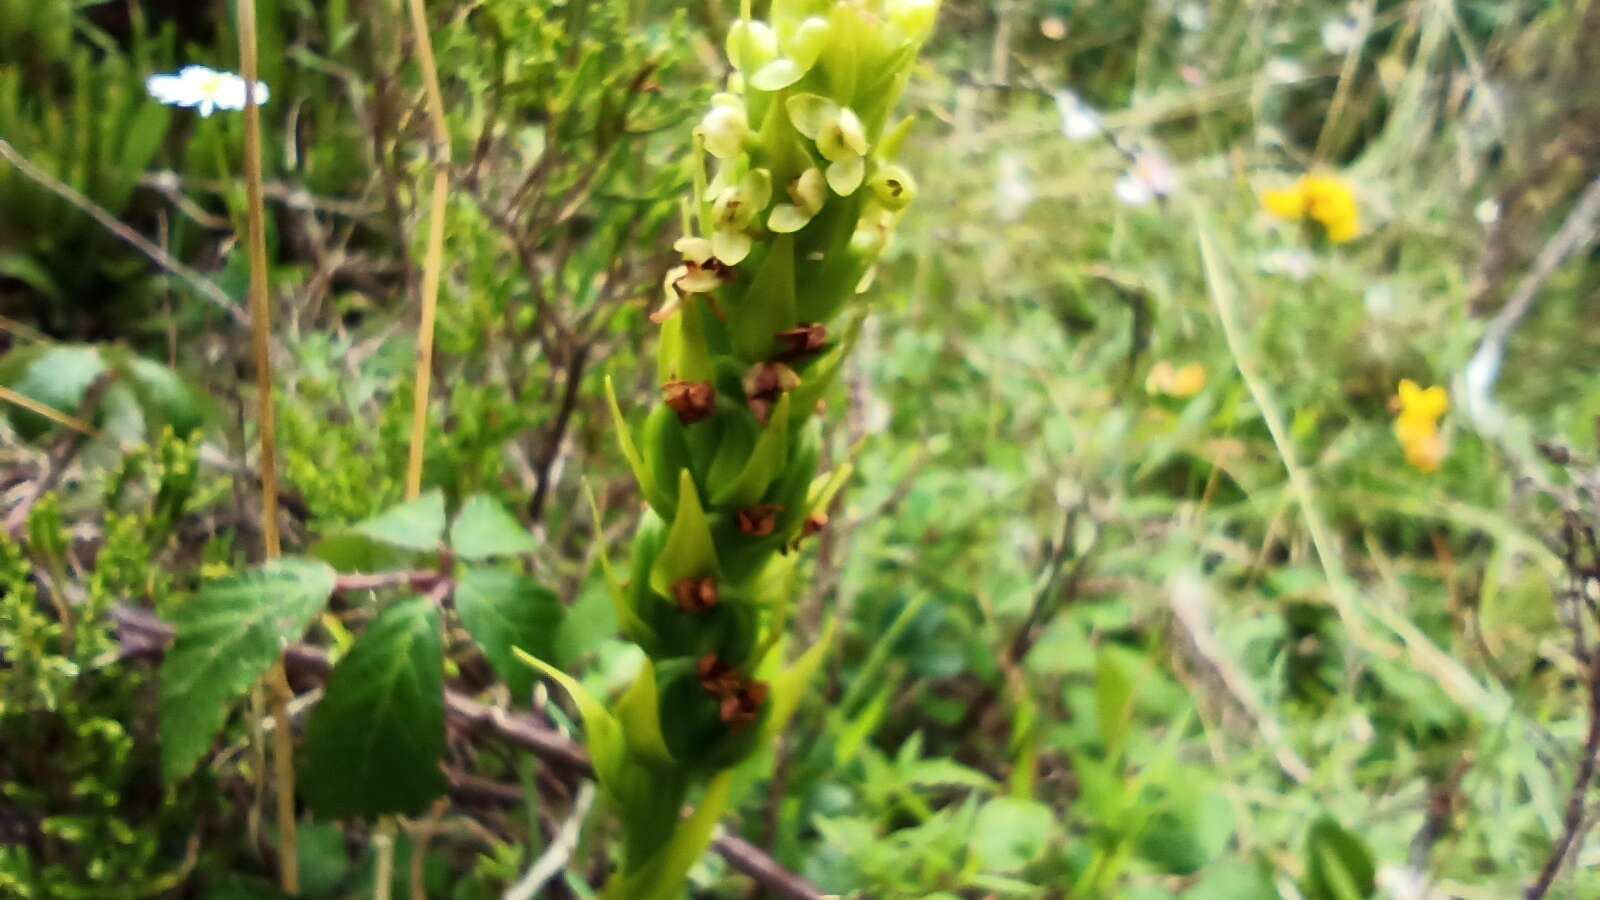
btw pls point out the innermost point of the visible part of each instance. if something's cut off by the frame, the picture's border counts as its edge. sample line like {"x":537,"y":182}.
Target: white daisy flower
{"x":1079,"y":121}
{"x":206,"y":90}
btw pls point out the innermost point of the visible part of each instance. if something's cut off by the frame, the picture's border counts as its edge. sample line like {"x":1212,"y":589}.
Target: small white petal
{"x":731,"y":247}
{"x":1133,"y":192}
{"x":810,"y":113}
{"x":845,"y":175}
{"x":777,"y":75}
{"x":787,"y":218}
{"x":694,"y":249}
{"x":168,"y":89}
{"x":1078,"y":121}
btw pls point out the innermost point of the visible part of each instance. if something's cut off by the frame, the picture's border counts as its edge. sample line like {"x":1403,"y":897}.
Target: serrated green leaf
{"x":501,"y":610}
{"x":485,"y":529}
{"x":374,"y":743}
{"x":227,"y":638}
{"x":689,"y":551}
{"x":163,"y":397}
{"x":415,"y":525}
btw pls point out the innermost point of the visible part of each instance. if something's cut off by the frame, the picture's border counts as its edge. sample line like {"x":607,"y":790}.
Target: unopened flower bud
{"x":693,"y":401}
{"x":893,"y":187}
{"x":809,"y":191}
{"x":751,"y":44}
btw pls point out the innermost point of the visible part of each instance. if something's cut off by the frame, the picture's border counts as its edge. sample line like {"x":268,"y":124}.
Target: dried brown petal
{"x":764,"y":383}
{"x":803,"y":341}
{"x":760,"y":520}
{"x":693,"y":401}
{"x":695,"y":594}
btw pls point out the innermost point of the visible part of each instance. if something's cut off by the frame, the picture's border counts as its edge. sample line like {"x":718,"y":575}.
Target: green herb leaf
{"x":227,"y":638}
{"x":485,"y":529}
{"x":374,"y":742}
{"x":414,"y":525}
{"x":502,"y":610}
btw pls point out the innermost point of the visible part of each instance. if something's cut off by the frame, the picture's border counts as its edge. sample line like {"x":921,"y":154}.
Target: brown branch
{"x":1573,"y":824}
{"x":143,"y":636}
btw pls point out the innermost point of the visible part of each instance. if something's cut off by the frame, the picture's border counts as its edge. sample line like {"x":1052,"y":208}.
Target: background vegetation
{"x":1098,"y":639}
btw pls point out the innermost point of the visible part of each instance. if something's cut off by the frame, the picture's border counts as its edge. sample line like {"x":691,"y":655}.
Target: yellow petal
{"x":1288,"y":204}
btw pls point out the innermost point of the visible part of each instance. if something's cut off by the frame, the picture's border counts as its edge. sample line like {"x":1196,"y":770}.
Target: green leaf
{"x":630,"y":451}
{"x":602,"y":731}
{"x":689,"y":551}
{"x":324,"y":862}
{"x":485,"y":529}
{"x":227,"y":638}
{"x":27,"y":270}
{"x":662,"y":877}
{"x":414,"y":525}
{"x":1338,"y":864}
{"x":58,"y":377}
{"x":1011,"y":832}
{"x":163,"y":397}
{"x":769,"y":305}
{"x":374,"y":743}
{"x":789,"y":684}
{"x":501,"y":610}
{"x":768,"y":455}
{"x":639,"y":711}
{"x":1113,"y":698}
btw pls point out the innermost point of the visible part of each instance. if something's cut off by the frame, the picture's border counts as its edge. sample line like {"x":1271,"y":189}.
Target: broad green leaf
{"x":485,"y":529}
{"x":501,"y":610}
{"x":58,"y":377}
{"x":627,"y":618}
{"x":1338,"y":864}
{"x":1011,"y":832}
{"x":765,"y":460}
{"x":226,"y":640}
{"x":164,"y":398}
{"x":374,"y":743}
{"x":415,"y":525}
{"x":689,"y":551}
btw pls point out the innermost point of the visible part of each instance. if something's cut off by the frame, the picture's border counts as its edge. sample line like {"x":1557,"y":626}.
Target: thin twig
{"x":261,"y":345}
{"x":1573,"y":823}
{"x":202,"y":285}
{"x":22,"y":401}
{"x":433,"y":262}
{"x":559,"y":853}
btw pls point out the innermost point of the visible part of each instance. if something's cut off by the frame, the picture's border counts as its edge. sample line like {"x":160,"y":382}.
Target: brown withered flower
{"x":764,"y":384}
{"x":814,"y":523}
{"x":695,"y":594}
{"x":760,"y":520}
{"x":716,"y":676}
{"x":693,"y":401}
{"x":802,"y":341}
{"x":741,"y":706}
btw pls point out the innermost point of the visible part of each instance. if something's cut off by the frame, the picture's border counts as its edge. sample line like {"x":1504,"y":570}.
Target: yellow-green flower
{"x":839,"y":136}
{"x":1322,"y":198}
{"x":1417,"y":424}
{"x":1175,"y":381}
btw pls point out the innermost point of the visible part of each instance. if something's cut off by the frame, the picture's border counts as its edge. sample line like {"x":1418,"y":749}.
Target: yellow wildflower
{"x":1417,"y":425}
{"x":1175,"y":381}
{"x":1325,"y":199}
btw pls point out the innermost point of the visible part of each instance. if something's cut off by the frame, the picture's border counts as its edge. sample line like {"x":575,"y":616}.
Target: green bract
{"x":796,"y":195}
